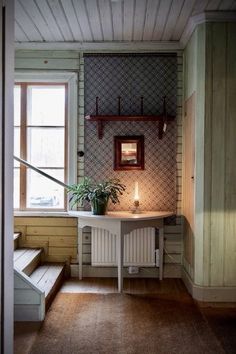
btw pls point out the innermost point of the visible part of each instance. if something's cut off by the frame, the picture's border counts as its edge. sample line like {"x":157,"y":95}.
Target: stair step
{"x":27,"y":259}
{"x":48,"y":278}
{"x":16,"y":237}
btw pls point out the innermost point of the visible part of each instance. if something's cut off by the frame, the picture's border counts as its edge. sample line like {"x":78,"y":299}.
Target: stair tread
{"x":45,"y":276}
{"x":24,"y":256}
{"x":16,"y":235}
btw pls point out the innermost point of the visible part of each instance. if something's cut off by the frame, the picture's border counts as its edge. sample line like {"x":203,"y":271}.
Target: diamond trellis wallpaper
{"x":132,"y":76}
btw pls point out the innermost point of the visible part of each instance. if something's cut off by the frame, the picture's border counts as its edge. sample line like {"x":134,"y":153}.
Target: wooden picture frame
{"x":129,"y":153}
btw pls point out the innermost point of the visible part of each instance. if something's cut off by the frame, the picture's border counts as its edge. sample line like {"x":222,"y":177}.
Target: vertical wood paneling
{"x":61,"y":19}
{"x":226,"y":4}
{"x":220,"y":150}
{"x":72,"y":19}
{"x":199,"y":7}
{"x":213,"y":5}
{"x":162,"y":16}
{"x":128,"y":20}
{"x":194,"y":63}
{"x":25,"y":22}
{"x":218,"y":116}
{"x":20,"y":35}
{"x":182,"y":20}
{"x":200,"y":77}
{"x":150,"y":18}
{"x":94,"y":19}
{"x":215,"y":227}
{"x":172,"y":18}
{"x":190,"y":65}
{"x":33,"y":12}
{"x":106,"y":19}
{"x":82,"y":17}
{"x":230,"y":177}
{"x":188,"y":178}
{"x":139,"y":19}
{"x":206,"y":164}
{"x":50,"y":19}
{"x":117,"y":20}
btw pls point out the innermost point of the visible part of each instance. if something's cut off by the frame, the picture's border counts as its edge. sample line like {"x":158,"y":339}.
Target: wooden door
{"x":188,"y":178}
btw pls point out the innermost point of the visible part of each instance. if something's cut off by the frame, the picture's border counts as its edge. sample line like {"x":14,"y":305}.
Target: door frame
{"x":6,"y":173}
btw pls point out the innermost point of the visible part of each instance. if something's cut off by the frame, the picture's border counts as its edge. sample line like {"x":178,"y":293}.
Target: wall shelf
{"x":162,"y":119}
{"x":122,"y":118}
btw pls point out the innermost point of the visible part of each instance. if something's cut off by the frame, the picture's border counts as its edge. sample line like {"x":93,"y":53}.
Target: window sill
{"x":43,"y":213}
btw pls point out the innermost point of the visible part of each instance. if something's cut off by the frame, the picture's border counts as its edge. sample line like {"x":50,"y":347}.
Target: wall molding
{"x":205,"y":17}
{"x":170,"y":271}
{"x":209,"y":293}
{"x":115,"y":46}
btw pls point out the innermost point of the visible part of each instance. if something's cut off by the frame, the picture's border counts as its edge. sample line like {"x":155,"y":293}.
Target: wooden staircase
{"x":36,"y":283}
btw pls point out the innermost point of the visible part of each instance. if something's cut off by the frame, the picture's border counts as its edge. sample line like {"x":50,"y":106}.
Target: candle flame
{"x":136,"y":192}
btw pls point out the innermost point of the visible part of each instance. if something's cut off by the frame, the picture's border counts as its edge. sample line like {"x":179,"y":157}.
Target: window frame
{"x":70,"y":158}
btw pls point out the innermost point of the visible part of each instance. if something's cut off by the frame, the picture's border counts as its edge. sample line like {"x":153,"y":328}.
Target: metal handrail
{"x":27,"y":164}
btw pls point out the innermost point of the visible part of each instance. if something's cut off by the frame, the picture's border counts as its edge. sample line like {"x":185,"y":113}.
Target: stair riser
{"x":49,"y":298}
{"x":17,"y":237}
{"x":32,"y":265}
{"x":16,"y":244}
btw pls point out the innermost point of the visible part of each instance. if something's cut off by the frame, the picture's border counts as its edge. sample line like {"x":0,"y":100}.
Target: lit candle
{"x":136,"y":194}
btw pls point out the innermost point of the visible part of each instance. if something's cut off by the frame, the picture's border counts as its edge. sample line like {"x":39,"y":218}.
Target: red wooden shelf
{"x":100,"y":119}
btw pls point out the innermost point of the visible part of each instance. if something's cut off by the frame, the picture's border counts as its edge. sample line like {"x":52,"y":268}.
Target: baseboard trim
{"x":170,"y":271}
{"x":209,"y":293}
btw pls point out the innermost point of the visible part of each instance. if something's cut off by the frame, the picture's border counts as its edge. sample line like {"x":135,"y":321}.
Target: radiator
{"x":139,"y":248}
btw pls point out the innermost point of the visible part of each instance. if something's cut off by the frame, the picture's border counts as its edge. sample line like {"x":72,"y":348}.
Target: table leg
{"x":161,"y":252}
{"x":120,"y":253}
{"x":80,"y":252}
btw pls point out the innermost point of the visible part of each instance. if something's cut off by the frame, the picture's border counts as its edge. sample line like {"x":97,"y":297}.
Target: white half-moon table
{"x":121,"y":223}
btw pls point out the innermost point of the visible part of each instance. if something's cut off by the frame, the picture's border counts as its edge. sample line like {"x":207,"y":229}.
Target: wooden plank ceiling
{"x":108,"y":20}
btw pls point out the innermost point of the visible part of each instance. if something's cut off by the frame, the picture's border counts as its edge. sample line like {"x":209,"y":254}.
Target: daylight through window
{"x":40,"y":138}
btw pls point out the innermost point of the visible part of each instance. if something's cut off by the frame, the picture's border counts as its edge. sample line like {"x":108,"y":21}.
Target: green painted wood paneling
{"x":230,"y":165}
{"x":47,"y":60}
{"x":194,"y":81}
{"x":211,"y":58}
{"x":217,"y":155}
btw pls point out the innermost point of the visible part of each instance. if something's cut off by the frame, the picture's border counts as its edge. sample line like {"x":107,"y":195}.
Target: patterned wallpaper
{"x":132,"y":76}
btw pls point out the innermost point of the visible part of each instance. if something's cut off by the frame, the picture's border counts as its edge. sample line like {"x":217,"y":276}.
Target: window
{"x":40,"y":126}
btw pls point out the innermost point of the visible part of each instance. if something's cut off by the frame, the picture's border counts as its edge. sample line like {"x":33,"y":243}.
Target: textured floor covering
{"x":223,"y":323}
{"x":125,"y":324}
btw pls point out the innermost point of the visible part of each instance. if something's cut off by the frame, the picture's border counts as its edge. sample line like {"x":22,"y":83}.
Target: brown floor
{"x":172,"y":314}
{"x":131,"y":286}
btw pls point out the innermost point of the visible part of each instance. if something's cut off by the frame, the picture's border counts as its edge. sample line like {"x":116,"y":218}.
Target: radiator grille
{"x":139,"y":248}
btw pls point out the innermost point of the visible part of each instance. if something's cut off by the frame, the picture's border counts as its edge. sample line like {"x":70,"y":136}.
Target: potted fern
{"x":97,"y":194}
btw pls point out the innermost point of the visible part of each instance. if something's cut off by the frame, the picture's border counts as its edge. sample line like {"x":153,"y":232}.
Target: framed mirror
{"x":129,"y":153}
